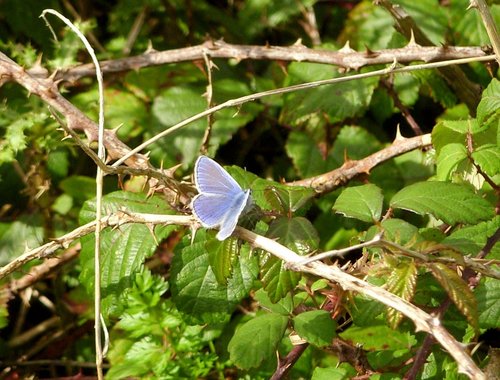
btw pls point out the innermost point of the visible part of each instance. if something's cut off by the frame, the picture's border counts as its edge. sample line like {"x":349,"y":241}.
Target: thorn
{"x":115,"y":130}
{"x":399,"y":136}
{"x":347,"y":48}
{"x":170,"y":171}
{"x":370,"y":53}
{"x":412,"y":42}
{"x":151,"y":230}
{"x":472,"y":4}
{"x":298,"y":43}
{"x":150,"y":49}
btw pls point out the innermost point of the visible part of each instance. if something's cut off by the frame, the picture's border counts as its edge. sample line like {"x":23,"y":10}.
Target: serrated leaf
{"x":488,"y":110}
{"x":179,"y":103}
{"x":284,"y":306}
{"x":351,"y":142}
{"x":402,"y":282}
{"x":468,"y":26}
{"x":470,"y":240}
{"x":18,"y":236}
{"x":449,"y":202}
{"x":221,"y":256}
{"x":378,"y":337}
{"x":449,"y":158}
{"x":488,"y":158}
{"x":299,"y":235}
{"x":195,"y":289}
{"x":124,"y":249}
{"x":257,"y":340}
{"x":488,"y":303}
{"x":365,"y":311}
{"x":316,"y":327}
{"x":332,"y":374}
{"x":288,"y":199}
{"x":450,"y":132}
{"x":361,"y":202}
{"x":305,"y":155}
{"x":437,"y":87}
{"x":325,"y":104}
{"x":457,"y":290}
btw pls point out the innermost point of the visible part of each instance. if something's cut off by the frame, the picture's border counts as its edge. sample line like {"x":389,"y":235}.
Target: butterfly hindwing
{"x":229,"y":223}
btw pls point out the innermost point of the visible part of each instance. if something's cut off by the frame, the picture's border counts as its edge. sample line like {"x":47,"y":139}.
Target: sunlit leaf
{"x":458,"y":291}
{"x":299,"y":235}
{"x":488,"y":303}
{"x":123,"y":250}
{"x":257,"y":340}
{"x":195,"y":289}
{"x":402,"y":281}
{"x":316,"y":327}
{"x":449,"y":202}
{"x":361,"y":202}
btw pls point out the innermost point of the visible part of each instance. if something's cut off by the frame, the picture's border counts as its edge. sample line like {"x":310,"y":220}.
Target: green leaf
{"x":488,"y":303}
{"x":488,"y":110}
{"x":471,"y":239}
{"x":449,"y":202}
{"x":299,"y":235}
{"x":179,"y":103}
{"x":288,"y":199}
{"x":434,"y":84}
{"x":284,"y":306}
{"x":78,"y":187}
{"x":315,"y":326}
{"x":195,"y":289}
{"x":353,"y":142}
{"x":306,"y":156}
{"x":402,"y":282}
{"x":18,"y":236}
{"x":458,"y":291}
{"x":488,"y":158}
{"x":126,"y":111}
{"x":257,"y":340}
{"x":468,"y":25}
{"x":450,"y":132}
{"x":378,"y":337}
{"x":333,"y":373}
{"x":361,"y":202}
{"x":124,"y":249}
{"x":366,"y":310}
{"x":449,"y":158}
{"x":221,"y":256}
{"x":325,"y":104}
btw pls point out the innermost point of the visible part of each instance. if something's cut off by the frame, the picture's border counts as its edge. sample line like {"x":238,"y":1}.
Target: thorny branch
{"x":422,"y":320}
{"x":345,"y":58}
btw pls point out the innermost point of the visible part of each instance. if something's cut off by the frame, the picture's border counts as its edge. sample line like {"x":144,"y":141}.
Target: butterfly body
{"x":221,"y":200}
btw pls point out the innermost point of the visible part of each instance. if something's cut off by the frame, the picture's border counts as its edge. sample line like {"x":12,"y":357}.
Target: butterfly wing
{"x":228,"y":224}
{"x":211,"y":178}
{"x":210,"y":209}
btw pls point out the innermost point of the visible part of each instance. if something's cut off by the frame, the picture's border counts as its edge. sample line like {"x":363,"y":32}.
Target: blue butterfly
{"x":221,"y":201}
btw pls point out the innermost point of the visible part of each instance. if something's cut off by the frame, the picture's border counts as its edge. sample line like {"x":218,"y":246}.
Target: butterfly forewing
{"x":211,"y":178}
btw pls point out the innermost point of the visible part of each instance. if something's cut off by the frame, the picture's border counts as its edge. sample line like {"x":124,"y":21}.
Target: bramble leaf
{"x":449,"y":202}
{"x":122,"y":250}
{"x":299,"y":235}
{"x":402,"y":281}
{"x":195,"y":289}
{"x":315,"y":326}
{"x":457,"y":290}
{"x":257,"y":340}
{"x":361,"y":202}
